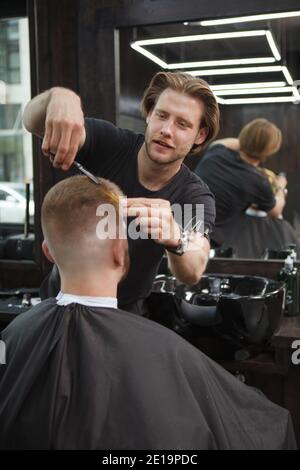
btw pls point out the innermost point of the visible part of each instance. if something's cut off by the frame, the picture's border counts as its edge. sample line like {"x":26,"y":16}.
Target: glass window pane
{"x":15,"y":141}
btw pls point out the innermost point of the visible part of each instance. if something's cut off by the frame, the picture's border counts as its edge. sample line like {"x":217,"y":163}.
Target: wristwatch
{"x":183,"y":243}
{"x":185,"y":237}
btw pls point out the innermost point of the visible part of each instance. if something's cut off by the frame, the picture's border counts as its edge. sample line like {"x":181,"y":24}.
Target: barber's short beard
{"x":165,"y":162}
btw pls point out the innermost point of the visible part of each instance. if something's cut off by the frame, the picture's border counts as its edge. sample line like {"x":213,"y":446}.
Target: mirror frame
{"x":18,"y":273}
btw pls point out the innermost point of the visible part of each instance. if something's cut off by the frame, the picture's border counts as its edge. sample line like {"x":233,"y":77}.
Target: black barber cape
{"x":78,"y":377}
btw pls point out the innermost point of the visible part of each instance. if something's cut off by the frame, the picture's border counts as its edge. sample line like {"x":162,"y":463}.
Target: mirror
{"x":271,"y":51}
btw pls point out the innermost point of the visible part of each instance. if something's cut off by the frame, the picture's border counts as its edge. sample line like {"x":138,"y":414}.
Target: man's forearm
{"x":189,"y":267}
{"x":56,"y":115}
{"x":35,"y":114}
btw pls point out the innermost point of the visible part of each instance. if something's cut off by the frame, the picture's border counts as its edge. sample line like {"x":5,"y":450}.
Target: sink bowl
{"x":245,"y":310}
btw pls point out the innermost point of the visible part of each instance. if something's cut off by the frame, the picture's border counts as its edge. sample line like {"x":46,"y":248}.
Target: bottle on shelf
{"x":290,"y":275}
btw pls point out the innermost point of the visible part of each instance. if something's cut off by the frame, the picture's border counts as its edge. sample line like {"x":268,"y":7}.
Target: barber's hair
{"x":259,"y":139}
{"x":69,"y":207}
{"x":189,"y":85}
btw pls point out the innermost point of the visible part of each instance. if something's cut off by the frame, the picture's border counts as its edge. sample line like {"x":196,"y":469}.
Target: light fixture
{"x":294,"y":98}
{"x":237,"y":86}
{"x":212,"y":63}
{"x":139,"y":47}
{"x":254,"y":91}
{"x":296,"y":94}
{"x":255,"y":88}
{"x":287,"y":75}
{"x":201,"y":37}
{"x":267,"y":99}
{"x":243,"y":19}
{"x":150,"y":56}
{"x":219,"y":100}
{"x":238,"y":70}
{"x":272,"y":45}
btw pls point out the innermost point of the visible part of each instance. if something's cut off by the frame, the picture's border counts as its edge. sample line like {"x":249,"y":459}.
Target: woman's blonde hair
{"x":259,"y":139}
{"x":192,"y":86}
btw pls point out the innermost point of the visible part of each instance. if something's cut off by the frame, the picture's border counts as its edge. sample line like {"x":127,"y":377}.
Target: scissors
{"x":80,"y":168}
{"x":90,"y":175}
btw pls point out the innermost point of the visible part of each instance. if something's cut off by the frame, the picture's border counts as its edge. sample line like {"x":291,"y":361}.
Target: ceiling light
{"x":201,"y":37}
{"x":260,"y":69}
{"x":272,"y":45}
{"x":138,"y":46}
{"x":273,"y":99}
{"x":287,"y":75}
{"x":237,"y":86}
{"x":253,"y":91}
{"x":296,"y":94}
{"x":242,"y":19}
{"x":150,"y":56}
{"x":212,"y":63}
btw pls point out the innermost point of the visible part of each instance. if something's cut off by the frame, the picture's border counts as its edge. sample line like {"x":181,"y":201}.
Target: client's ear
{"x":46,"y":252}
{"x":119,"y":252}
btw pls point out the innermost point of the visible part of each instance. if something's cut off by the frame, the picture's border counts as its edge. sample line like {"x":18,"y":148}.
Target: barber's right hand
{"x":64,"y":127}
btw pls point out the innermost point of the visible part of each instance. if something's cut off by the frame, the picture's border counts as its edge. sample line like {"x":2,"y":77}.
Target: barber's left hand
{"x":155,"y":218}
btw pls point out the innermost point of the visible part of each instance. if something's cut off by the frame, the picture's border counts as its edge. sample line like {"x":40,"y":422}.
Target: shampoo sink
{"x":244,"y":310}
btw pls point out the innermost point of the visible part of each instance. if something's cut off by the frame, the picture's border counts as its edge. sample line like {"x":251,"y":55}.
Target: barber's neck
{"x":152,"y":175}
{"x":93,"y":284}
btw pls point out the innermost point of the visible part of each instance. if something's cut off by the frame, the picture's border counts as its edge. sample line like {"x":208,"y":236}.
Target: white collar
{"x":66,"y":299}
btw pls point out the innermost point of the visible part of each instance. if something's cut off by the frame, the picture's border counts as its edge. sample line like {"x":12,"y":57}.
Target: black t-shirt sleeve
{"x":106,"y":148}
{"x":200,"y":204}
{"x":209,"y":211}
{"x":264,"y":197}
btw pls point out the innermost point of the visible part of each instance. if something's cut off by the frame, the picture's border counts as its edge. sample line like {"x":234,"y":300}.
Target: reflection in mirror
{"x":253,"y":68}
{"x":16,"y":169}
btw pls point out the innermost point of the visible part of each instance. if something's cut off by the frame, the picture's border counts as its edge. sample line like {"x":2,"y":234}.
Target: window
{"x":15,"y":142}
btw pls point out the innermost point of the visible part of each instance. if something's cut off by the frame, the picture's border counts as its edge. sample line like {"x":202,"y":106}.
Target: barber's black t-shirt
{"x":111,"y":153}
{"x":235,"y":184}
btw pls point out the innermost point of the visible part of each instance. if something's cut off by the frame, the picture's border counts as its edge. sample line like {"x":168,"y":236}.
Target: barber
{"x":181,"y":115}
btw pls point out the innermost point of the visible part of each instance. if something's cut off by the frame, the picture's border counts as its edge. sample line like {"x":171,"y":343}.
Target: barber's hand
{"x":64,"y":127}
{"x":281,"y":181}
{"x":155,"y":219}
